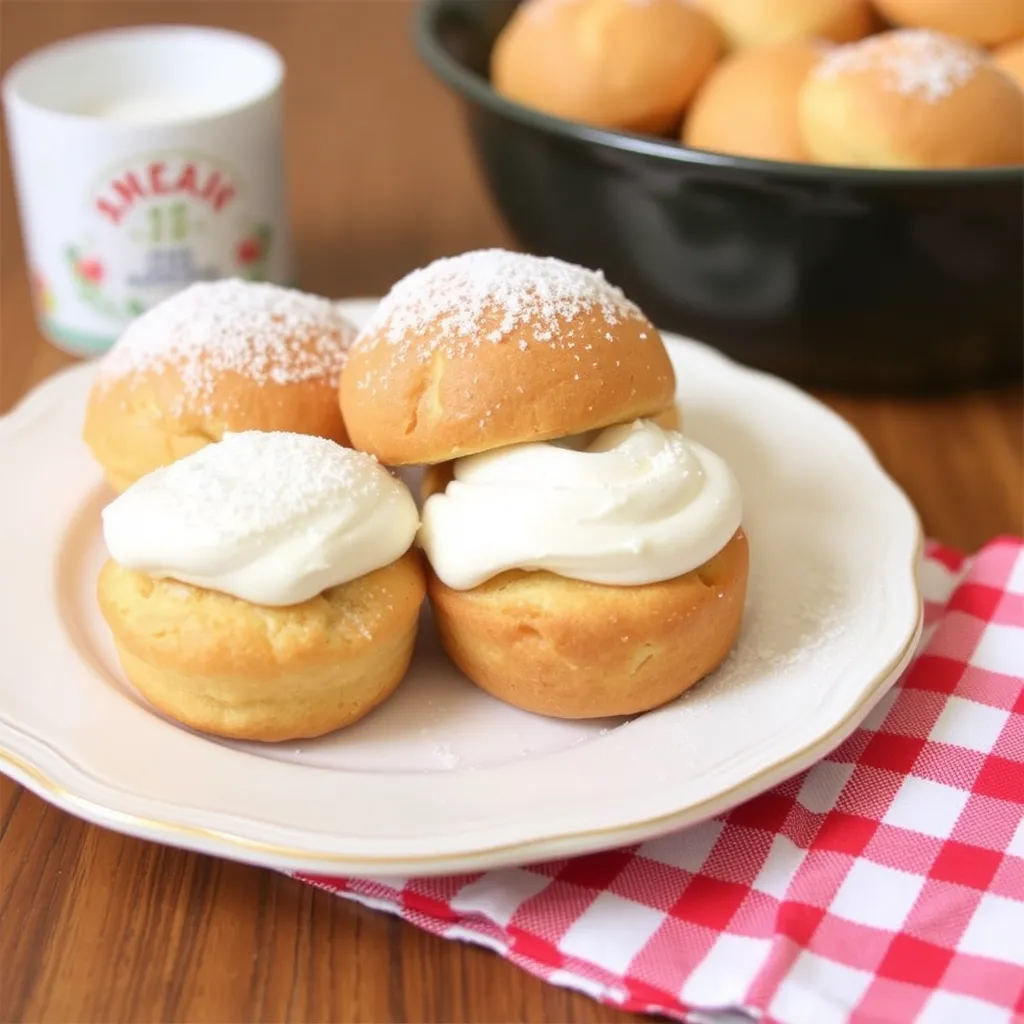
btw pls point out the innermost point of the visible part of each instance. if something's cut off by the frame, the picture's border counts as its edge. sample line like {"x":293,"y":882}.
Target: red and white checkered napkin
{"x":885,"y":884}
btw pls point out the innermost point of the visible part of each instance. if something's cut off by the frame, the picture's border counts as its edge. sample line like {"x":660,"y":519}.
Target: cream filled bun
{"x":989,"y":22}
{"x":216,"y":357}
{"x":611,"y":63}
{"x":763,"y":22}
{"x":1011,"y":59}
{"x":592,"y":577}
{"x":264,"y":587}
{"x":494,"y":348}
{"x":913,"y":99}
{"x":749,"y":104}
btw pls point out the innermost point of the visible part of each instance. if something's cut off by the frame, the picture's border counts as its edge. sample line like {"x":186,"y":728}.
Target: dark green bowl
{"x":837,"y":278}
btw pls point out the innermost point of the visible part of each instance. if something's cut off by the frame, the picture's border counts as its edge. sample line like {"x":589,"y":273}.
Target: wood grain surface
{"x":97,"y":927}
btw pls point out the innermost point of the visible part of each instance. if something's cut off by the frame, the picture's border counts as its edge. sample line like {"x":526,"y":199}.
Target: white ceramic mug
{"x":145,"y":159}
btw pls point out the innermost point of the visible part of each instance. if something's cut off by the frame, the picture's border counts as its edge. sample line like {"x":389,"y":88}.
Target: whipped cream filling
{"x":271,"y":518}
{"x":631,"y":505}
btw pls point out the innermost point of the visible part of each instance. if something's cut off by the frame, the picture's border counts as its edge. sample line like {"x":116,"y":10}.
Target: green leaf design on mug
{"x":88,"y":273}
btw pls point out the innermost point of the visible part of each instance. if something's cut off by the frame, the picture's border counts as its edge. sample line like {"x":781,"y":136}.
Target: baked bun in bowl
{"x":763,"y":22}
{"x":219,"y":356}
{"x":915,"y":99}
{"x":1010,"y":58}
{"x":749,"y":105}
{"x":264,"y":588}
{"x":493,"y":348}
{"x":989,"y":22}
{"x":614,"y":63}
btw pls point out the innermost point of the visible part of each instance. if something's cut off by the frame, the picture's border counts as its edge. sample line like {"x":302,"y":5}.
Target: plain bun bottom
{"x":568,"y":649}
{"x":229,"y":668}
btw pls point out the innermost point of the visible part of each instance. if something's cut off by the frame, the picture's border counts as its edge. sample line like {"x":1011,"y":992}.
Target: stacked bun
{"x":262,"y":583}
{"x":576,"y":570}
{"x":741,"y":76}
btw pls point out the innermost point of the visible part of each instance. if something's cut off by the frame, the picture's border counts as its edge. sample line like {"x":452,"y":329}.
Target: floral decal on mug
{"x":88,"y":273}
{"x":252,"y":252}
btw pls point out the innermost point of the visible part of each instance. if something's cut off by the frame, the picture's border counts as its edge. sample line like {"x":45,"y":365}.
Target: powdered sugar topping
{"x":457,"y":303}
{"x":255,"y":481}
{"x":272,"y":518}
{"x":264,"y":332}
{"x":912,"y":62}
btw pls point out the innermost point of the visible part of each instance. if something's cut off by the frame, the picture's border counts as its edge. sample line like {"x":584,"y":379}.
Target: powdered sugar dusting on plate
{"x":261,"y":331}
{"x":793,"y":633}
{"x":797,"y":612}
{"x":458,"y":303}
{"x":911,"y":62}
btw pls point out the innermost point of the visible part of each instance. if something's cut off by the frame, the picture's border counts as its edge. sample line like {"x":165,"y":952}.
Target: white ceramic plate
{"x":442,"y":778}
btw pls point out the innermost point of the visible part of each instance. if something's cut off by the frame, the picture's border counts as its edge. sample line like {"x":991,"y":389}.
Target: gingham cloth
{"x":884,"y":884}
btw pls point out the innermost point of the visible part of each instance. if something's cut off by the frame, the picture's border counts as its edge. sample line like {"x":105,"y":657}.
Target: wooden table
{"x":96,"y":927}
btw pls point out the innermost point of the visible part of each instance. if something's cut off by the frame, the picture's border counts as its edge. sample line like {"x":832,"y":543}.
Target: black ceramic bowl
{"x":836,"y":278}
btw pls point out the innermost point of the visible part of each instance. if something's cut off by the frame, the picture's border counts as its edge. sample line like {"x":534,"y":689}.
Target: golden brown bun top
{"x":212,"y":346}
{"x":984,"y":21}
{"x":749,"y":104}
{"x":1011,"y":59}
{"x":493,"y":348}
{"x":213,"y":358}
{"x":611,"y":63}
{"x":914,"y":99}
{"x":760,"y":22}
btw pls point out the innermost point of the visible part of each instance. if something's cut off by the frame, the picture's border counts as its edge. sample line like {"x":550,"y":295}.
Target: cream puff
{"x":585,"y":560}
{"x":491,"y":348}
{"x":764,"y":22}
{"x":215,"y":357}
{"x":990,"y":22}
{"x":912,"y":99}
{"x":611,"y":63}
{"x":265,"y":587}
{"x":589,"y":578}
{"x":749,"y":104}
